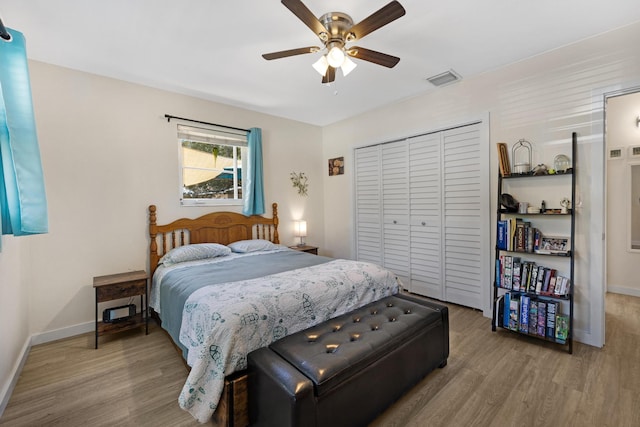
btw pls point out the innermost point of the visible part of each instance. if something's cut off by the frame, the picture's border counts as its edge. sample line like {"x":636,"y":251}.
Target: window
{"x":211,"y":164}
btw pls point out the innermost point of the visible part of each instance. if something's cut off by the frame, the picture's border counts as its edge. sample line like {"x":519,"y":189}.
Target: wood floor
{"x":492,"y":379}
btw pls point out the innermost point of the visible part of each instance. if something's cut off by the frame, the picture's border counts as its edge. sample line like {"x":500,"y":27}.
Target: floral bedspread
{"x":223,"y":323}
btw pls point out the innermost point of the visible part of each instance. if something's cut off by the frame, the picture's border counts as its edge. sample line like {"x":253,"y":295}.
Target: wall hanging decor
{"x":300,"y":181}
{"x":336,"y":166}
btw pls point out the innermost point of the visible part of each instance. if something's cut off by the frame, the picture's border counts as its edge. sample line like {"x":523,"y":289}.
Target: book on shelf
{"x":541,"y":329}
{"x":514,"y":305}
{"x":523,"y":325}
{"x":533,"y":278}
{"x":515,"y":274}
{"x":508,"y":265}
{"x":566,"y":286}
{"x":552,"y":311}
{"x":519,"y":244}
{"x":548,"y":274}
{"x":524,"y":276}
{"x":498,"y":273}
{"x":553,"y":245}
{"x":511,"y":233}
{"x":536,"y":239}
{"x":503,"y":158}
{"x":530,"y":238}
{"x":563,"y":286}
{"x":499,"y":308}
{"x":506,"y":307}
{"x":539,"y":279}
{"x":562,"y":327}
{"x":533,"y":316}
{"x":502,"y":235}
{"x":552,"y":285}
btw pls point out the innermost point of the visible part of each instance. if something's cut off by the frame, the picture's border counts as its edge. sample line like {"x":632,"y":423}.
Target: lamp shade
{"x":347,"y":66}
{"x":321,"y":65}
{"x":301,"y":228}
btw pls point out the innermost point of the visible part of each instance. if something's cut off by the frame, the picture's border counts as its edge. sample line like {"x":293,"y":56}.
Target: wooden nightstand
{"x":122,"y":285}
{"x":306,"y":248}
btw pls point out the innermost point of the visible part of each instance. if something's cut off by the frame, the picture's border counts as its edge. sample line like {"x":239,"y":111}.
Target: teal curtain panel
{"x":23,"y":202}
{"x":254,"y":188}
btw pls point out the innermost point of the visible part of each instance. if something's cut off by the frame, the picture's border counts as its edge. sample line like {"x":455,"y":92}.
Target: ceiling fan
{"x":335,"y":30}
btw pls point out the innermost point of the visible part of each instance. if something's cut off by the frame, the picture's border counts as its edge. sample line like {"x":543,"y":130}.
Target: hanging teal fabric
{"x":23,"y":203}
{"x":254,"y":190}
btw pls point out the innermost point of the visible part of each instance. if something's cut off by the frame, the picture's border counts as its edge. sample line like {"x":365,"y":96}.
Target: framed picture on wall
{"x":336,"y":166}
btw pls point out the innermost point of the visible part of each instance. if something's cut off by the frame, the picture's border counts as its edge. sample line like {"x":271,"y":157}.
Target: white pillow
{"x":194,"y":252}
{"x":243,"y":246}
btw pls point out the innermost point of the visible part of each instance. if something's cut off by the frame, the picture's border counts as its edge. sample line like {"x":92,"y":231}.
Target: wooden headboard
{"x":216,"y":227}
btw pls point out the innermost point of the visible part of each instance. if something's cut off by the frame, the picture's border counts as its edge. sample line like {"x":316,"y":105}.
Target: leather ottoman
{"x":347,"y":370}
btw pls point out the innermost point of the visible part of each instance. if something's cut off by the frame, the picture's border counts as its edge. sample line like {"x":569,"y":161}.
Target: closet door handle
{"x":395,"y":222}
{"x":423,"y":223}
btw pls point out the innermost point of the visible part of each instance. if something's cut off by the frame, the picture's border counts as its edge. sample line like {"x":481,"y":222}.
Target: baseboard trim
{"x":35,"y":339}
{"x":58,"y":334}
{"x":624,"y":291}
{"x":7,"y":389}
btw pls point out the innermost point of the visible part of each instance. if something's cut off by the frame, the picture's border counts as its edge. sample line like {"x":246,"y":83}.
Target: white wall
{"x":14,"y":314}
{"x":623,"y":266}
{"x":107,"y":154}
{"x":542,"y":99}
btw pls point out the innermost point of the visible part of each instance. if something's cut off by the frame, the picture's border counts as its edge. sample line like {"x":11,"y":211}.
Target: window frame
{"x":228,"y":137}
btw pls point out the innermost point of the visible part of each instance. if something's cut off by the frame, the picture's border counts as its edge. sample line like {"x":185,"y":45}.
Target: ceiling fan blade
{"x":290,"y":52}
{"x":382,"y":17}
{"x":305,"y":15}
{"x":329,"y":76}
{"x":373,"y":56}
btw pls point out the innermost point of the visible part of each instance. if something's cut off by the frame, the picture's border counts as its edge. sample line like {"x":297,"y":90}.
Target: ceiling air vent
{"x":445,"y":78}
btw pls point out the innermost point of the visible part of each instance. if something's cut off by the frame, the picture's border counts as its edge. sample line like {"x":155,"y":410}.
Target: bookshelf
{"x":533,"y":289}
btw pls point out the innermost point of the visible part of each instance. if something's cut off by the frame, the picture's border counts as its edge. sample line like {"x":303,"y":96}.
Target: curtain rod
{"x":169,"y":117}
{"x":3,"y":31}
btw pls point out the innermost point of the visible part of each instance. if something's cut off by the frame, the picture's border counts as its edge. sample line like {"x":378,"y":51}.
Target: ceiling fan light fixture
{"x":347,"y":66}
{"x":335,"y":30}
{"x":321,"y":65}
{"x":336,"y":56}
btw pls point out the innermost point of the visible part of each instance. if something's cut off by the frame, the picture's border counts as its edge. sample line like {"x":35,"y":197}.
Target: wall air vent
{"x":615,"y":153}
{"x":445,"y":78}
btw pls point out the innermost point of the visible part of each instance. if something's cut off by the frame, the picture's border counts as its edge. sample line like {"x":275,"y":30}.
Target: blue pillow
{"x":244,"y":246}
{"x":194,"y":252}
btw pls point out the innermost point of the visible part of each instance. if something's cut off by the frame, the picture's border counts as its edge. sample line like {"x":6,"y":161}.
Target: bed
{"x":223,"y":286}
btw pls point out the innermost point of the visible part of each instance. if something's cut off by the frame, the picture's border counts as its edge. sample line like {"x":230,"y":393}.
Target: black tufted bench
{"x":347,"y":370}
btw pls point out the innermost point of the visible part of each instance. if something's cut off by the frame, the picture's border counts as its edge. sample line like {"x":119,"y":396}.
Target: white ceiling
{"x":212,"y":48}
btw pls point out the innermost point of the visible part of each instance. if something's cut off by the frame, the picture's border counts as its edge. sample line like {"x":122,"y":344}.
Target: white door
{"x":425,"y":194}
{"x":368,"y":202}
{"x":395,"y":209}
{"x":465,"y":210}
{"x":422,"y":210}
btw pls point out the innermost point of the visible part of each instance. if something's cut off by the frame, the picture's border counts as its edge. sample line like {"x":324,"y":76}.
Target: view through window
{"x":211,"y":165}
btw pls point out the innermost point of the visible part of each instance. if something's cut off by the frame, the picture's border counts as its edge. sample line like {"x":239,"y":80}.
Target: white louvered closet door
{"x":425,"y":195}
{"x":395,"y":209}
{"x":368,"y":202}
{"x":465,"y":210}
{"x":422,"y":211}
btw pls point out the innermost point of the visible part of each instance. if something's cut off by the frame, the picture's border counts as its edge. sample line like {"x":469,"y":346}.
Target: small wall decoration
{"x":300,"y":181}
{"x":336,"y":166}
